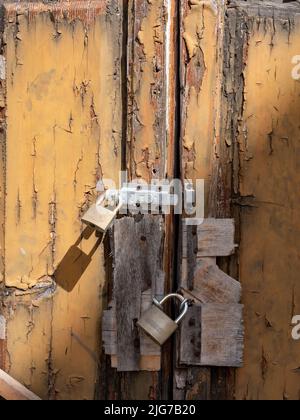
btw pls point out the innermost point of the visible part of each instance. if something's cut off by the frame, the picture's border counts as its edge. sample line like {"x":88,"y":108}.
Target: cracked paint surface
{"x":62,"y":120}
{"x":248,"y":154}
{"x":269,"y":151}
{"x":147,"y":86}
{"x":199,"y":74}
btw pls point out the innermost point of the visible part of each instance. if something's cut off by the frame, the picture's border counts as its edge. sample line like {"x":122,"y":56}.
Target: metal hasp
{"x":157,"y":325}
{"x":134,"y":198}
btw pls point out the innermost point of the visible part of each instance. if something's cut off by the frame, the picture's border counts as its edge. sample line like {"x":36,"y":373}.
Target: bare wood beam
{"x":10,"y":389}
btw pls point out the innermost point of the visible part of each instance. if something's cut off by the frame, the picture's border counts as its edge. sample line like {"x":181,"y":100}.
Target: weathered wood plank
{"x":268,"y":203}
{"x":150,"y":141}
{"x":202,"y":72}
{"x":222,"y":335}
{"x":212,"y":238}
{"x":137,"y":267}
{"x":213,"y":335}
{"x":150,"y":353}
{"x":191,"y":337}
{"x":147,"y":96}
{"x":61,"y":133}
{"x":212,"y":285}
{"x":10,"y":389}
{"x":109,"y":331}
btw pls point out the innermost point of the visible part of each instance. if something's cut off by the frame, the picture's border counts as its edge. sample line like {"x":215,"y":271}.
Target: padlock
{"x":156,"y":324}
{"x":101,"y":216}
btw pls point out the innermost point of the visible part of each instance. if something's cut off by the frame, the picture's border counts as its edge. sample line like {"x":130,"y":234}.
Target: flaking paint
{"x":269,"y":177}
{"x":63,"y":131}
{"x":199,"y":86}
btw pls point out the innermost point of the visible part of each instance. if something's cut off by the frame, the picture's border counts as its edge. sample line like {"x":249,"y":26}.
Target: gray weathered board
{"x":210,"y":238}
{"x":138,"y":277}
{"x":212,"y":334}
{"x":212,"y":285}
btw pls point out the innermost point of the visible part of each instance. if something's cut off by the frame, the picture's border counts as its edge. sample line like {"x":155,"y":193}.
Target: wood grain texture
{"x":213,"y":285}
{"x":268,"y":201}
{"x":213,"y":335}
{"x":202,"y":153}
{"x":147,"y":100}
{"x":109,"y":330}
{"x":150,"y":144}
{"x":191,"y":337}
{"x":150,"y":353}
{"x":222,"y":335}
{"x":137,"y":268}
{"x":213,"y":237}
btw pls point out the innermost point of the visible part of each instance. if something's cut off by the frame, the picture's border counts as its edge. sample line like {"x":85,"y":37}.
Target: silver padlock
{"x":156,"y":324}
{"x":101,"y":216}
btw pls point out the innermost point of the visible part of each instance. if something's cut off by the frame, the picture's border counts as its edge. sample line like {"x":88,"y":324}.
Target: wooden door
{"x":240,"y":132}
{"x":61,"y":131}
{"x":162,"y":89}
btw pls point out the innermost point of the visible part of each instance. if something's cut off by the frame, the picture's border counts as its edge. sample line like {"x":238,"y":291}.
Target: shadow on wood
{"x":75,"y":262}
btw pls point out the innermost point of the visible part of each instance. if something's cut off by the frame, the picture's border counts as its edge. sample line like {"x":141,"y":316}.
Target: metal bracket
{"x":135,"y":198}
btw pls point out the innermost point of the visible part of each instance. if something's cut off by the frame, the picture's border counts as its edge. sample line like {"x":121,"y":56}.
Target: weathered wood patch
{"x":138,"y":277}
{"x":213,"y":237}
{"x":61,"y":129}
{"x":210,"y":284}
{"x":12,"y":390}
{"x":213,"y":335}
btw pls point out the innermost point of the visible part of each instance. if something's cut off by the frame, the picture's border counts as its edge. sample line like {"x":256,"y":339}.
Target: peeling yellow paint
{"x":200,"y":87}
{"x":63,"y":116}
{"x":29,"y":333}
{"x":148,"y":87}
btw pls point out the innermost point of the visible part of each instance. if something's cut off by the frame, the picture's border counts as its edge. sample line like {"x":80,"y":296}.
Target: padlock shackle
{"x":183,"y":307}
{"x":159,"y":303}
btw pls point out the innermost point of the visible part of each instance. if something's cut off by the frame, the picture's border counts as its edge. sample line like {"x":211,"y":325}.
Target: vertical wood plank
{"x":63,"y":125}
{"x":150,"y":139}
{"x":137,"y":268}
{"x":12,"y":390}
{"x":267,"y":199}
{"x":146,"y":151}
{"x":202,"y":55}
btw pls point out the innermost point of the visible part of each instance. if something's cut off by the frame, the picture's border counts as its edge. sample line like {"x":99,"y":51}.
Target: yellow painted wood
{"x":148,"y":116}
{"x":63,"y":116}
{"x":10,"y":389}
{"x":200,"y":72}
{"x":269,"y":177}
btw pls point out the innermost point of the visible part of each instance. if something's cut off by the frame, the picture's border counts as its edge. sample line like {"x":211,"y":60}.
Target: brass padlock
{"x":156,"y":324}
{"x":101,"y":216}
